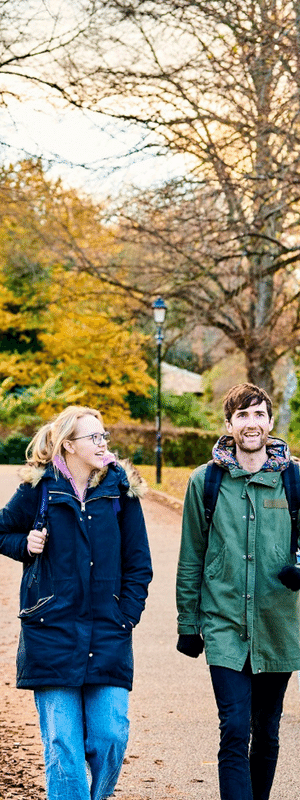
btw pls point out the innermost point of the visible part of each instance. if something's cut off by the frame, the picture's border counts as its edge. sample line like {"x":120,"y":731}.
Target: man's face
{"x":250,"y":427}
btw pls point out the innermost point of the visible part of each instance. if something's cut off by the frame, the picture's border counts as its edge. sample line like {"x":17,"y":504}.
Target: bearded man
{"x":231,"y":600}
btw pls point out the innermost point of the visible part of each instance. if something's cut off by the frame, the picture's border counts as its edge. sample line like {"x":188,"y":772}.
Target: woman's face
{"x":82,"y":449}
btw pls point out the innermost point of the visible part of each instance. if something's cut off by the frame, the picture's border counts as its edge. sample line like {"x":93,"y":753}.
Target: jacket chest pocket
{"x":215,"y":567}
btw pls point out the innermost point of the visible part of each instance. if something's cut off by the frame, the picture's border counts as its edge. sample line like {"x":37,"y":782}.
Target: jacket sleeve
{"x":191,"y":556}
{"x":298,"y":519}
{"x":136,"y":560}
{"x":16,"y":520}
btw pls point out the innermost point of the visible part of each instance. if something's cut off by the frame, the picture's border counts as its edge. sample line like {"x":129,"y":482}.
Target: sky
{"x":70,"y":138}
{"x":67,"y":138}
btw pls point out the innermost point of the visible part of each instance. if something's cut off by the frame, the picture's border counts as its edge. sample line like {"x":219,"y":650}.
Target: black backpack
{"x":291,"y":481}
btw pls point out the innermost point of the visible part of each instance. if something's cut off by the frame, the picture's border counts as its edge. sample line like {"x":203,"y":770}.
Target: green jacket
{"x":227,"y":584}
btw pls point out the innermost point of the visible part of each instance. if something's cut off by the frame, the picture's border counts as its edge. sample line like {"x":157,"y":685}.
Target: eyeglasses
{"x":95,"y":437}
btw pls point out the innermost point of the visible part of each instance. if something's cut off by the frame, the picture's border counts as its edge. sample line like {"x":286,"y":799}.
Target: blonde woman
{"x":75,"y":648}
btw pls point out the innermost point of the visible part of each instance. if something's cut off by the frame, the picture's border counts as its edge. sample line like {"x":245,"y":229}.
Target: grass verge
{"x":174,"y":479}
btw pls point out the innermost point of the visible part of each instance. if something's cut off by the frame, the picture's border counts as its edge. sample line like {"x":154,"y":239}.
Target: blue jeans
{"x":80,"y":727}
{"x":248,"y":705}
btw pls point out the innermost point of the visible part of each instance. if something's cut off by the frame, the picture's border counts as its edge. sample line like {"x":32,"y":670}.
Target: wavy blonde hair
{"x":48,"y":441}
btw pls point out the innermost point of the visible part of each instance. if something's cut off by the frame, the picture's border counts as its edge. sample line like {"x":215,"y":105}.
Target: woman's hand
{"x":36,"y":541}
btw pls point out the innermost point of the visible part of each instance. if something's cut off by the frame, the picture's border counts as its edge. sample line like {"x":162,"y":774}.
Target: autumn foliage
{"x":60,"y":327}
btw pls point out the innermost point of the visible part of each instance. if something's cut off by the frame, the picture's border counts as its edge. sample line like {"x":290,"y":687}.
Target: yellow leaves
{"x":52,"y":400}
{"x":19,"y":370}
{"x":98,"y":360}
{"x":102,"y":358}
{"x":59,"y":321}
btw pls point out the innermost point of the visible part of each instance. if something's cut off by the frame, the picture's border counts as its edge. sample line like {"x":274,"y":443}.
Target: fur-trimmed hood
{"x":137,"y":487}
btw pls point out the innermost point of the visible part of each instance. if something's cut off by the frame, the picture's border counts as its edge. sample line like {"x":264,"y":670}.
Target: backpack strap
{"x":212,"y":482}
{"x":41,"y":515}
{"x":38,"y":525}
{"x":291,"y":482}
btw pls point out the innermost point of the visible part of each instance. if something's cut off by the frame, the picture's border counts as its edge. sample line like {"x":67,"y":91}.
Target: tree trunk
{"x":260,"y":367}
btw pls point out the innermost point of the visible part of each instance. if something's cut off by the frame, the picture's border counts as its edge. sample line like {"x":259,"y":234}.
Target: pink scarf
{"x":59,"y":463}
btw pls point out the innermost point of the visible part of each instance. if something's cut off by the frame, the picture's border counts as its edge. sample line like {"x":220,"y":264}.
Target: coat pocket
{"x":27,"y":613}
{"x":283,"y":558}
{"x":36,"y":586}
{"x":123,"y":621}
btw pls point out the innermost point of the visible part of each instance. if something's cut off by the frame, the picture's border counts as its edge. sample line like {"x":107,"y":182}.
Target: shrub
{"x":189,"y":448}
{"x":186,"y":410}
{"x":142,"y":407}
{"x":181,"y":446}
{"x":12,"y":450}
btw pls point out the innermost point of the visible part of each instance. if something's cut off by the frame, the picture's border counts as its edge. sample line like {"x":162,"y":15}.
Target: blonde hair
{"x":48,"y":441}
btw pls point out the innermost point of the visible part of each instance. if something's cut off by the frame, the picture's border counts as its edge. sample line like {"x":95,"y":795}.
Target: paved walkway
{"x":172,"y":750}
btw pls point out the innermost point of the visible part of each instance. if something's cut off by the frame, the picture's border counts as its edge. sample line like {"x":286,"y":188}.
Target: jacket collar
{"x":59,"y":463}
{"x":123,"y":473}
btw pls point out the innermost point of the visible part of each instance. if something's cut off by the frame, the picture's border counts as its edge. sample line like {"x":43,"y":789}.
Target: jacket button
{"x":42,"y":619}
{"x":252,"y":516}
{"x":250,"y":558}
{"x":91,"y":563}
{"x":91,"y":655}
{"x":123,"y":626}
{"x":89,"y":517}
{"x":248,"y":596}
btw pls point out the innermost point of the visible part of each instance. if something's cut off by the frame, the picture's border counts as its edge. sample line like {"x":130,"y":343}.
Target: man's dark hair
{"x":244,"y":395}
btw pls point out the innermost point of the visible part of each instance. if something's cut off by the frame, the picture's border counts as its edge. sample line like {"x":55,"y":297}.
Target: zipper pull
{"x":82,"y":506}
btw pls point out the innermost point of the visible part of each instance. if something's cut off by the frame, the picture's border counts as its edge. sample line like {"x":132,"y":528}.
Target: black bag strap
{"x":41,"y":515}
{"x":212,"y":482}
{"x":38,"y":525}
{"x":291,"y":482}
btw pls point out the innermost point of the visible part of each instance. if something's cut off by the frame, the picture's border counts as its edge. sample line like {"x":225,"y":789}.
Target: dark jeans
{"x":248,"y":705}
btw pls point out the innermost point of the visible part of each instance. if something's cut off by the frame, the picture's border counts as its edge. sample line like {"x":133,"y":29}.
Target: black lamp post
{"x":159,"y":313}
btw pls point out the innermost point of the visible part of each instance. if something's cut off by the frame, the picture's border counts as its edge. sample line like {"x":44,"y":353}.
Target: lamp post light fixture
{"x":159,"y":313}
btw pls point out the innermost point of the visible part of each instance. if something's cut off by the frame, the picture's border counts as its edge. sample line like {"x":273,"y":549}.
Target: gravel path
{"x":172,"y":751}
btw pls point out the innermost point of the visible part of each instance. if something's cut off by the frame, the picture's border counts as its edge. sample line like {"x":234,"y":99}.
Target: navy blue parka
{"x":101,"y":567}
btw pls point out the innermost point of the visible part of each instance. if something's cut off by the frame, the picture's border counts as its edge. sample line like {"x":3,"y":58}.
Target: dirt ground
{"x":172,"y":751}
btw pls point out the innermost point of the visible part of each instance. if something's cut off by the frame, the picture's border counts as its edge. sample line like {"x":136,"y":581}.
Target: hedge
{"x":182,"y":447}
{"x":12,"y":450}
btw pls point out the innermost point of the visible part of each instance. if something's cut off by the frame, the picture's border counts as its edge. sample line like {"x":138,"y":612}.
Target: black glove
{"x":290,"y":577}
{"x":191,"y":644}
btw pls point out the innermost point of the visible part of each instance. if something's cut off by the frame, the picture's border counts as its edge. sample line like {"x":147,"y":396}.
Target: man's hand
{"x":190,"y":644}
{"x":36,"y":542}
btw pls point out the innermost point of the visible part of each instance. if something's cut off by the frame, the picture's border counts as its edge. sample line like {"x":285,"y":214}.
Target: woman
{"x":75,"y":648}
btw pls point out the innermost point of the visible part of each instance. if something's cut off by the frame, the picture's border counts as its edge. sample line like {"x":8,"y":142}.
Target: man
{"x":228,"y":588}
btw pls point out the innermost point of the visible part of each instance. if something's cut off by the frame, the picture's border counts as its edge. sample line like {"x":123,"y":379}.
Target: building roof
{"x":178,"y":381}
